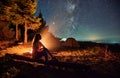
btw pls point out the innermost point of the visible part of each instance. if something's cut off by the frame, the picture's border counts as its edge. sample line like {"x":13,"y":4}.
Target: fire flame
{"x":31,"y":51}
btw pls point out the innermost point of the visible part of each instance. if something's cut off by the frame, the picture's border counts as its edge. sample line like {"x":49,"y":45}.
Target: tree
{"x":14,"y":18}
{"x":28,"y":8}
{"x":21,"y":12}
{"x":30,"y":24}
{"x":43,"y":23}
{"x":11,"y":13}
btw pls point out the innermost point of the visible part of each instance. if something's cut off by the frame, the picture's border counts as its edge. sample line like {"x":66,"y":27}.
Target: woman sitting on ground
{"x":39,"y":50}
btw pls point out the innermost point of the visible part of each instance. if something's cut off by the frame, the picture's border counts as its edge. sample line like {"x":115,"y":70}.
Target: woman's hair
{"x":37,"y":37}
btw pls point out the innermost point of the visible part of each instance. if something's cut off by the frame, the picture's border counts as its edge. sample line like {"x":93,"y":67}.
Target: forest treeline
{"x":18,"y":20}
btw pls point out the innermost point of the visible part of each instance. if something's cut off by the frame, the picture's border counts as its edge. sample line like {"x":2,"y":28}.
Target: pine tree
{"x":43,"y":23}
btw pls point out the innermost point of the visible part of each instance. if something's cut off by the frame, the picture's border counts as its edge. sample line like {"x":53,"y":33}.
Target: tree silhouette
{"x":43,"y":23}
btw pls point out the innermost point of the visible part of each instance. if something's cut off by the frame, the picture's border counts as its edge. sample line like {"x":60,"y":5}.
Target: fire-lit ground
{"x":91,"y":54}
{"x":19,"y":49}
{"x":102,"y":62}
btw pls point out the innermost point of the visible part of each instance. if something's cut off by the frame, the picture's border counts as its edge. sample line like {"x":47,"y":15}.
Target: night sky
{"x":85,"y":20}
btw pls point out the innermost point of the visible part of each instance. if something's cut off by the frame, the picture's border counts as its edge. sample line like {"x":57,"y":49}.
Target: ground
{"x":103,"y":64}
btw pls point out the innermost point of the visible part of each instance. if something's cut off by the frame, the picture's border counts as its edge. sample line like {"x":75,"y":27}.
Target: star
{"x":53,"y":23}
{"x":82,"y":19}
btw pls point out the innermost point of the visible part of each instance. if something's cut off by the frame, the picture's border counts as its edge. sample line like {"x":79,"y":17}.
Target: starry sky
{"x":84,"y":20}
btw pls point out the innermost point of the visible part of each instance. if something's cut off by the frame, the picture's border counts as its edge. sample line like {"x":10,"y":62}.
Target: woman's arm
{"x":48,"y":52}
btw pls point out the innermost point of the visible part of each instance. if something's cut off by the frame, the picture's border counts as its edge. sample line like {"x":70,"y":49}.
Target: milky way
{"x":85,"y":20}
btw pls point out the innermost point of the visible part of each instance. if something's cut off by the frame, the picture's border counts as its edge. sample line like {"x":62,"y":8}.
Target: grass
{"x":90,"y":55}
